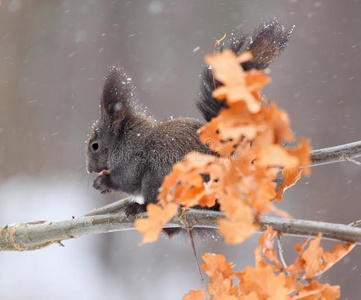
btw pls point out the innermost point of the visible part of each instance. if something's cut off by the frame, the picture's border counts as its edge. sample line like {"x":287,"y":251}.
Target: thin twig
{"x":280,"y":251}
{"x":352,"y":160}
{"x":189,"y":230}
{"x":355,"y":223}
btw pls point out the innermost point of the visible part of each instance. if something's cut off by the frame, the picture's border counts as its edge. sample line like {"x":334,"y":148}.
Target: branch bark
{"x":335,"y":154}
{"x":37,"y":235}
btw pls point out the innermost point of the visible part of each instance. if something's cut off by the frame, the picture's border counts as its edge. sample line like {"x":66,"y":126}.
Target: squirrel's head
{"x":116,"y":109}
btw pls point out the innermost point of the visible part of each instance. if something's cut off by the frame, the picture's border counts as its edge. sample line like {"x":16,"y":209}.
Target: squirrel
{"x":132,"y":153}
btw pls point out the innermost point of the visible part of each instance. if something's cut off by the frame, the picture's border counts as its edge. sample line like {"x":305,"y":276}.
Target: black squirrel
{"x":132,"y":153}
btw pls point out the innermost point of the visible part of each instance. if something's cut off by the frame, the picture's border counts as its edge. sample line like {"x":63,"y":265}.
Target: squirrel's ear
{"x":115,"y":103}
{"x":268,"y":42}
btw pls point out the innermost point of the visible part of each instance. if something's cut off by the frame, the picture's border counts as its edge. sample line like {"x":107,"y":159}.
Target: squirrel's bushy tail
{"x":266,"y":43}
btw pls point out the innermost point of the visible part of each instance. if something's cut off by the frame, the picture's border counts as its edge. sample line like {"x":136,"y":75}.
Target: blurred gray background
{"x":53,"y":57}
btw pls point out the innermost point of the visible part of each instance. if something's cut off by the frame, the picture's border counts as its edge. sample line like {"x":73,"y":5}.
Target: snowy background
{"x":53,"y":57}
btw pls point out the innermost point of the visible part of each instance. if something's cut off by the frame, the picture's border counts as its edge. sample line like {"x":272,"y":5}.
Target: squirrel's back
{"x":165,"y":137}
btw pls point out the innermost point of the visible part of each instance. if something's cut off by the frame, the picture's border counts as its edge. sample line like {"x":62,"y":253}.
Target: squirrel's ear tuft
{"x":268,"y":42}
{"x":117,"y":96}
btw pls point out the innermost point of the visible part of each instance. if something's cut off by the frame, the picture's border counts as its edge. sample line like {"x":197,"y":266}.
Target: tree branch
{"x":325,"y":156}
{"x":37,"y":235}
{"x":335,"y":154}
{"x":117,"y":206}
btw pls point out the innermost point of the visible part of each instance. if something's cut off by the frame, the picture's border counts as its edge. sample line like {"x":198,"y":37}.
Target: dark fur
{"x":266,"y":43}
{"x":137,"y":151}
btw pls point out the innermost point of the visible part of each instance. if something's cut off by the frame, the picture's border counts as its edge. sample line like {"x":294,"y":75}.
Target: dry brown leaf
{"x":236,"y":231}
{"x":153,"y":225}
{"x":298,"y":266}
{"x":220,"y":275}
{"x":227,"y":70}
{"x":264,"y":282}
{"x":259,"y":189}
{"x":303,"y":153}
{"x":312,"y":261}
{"x":209,"y":135}
{"x":279,"y":121}
{"x":316,"y":291}
{"x":270,"y":281}
{"x":313,"y":258}
{"x":220,"y":287}
{"x":195,"y":295}
{"x":338,"y":252}
{"x":216,"y":263}
{"x":276,"y":155}
{"x":266,"y":244}
{"x":255,"y":80}
{"x":290,"y":177}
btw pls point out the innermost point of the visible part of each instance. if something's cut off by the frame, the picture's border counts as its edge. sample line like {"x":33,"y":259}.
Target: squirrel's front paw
{"x":134,"y":209}
{"x":103,"y":183}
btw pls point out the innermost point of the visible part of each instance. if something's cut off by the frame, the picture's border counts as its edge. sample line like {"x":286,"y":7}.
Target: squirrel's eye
{"x":94,"y":146}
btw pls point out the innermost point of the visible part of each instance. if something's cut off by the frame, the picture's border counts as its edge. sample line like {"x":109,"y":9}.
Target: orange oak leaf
{"x":312,"y":261}
{"x":327,"y":291}
{"x":237,"y":93}
{"x":243,"y":158}
{"x":312,"y":257}
{"x":250,"y":296}
{"x":290,"y":177}
{"x":244,"y":57}
{"x":316,"y":291}
{"x":195,"y":295}
{"x":338,"y":252}
{"x":158,"y":217}
{"x":185,"y":182}
{"x":240,"y":218}
{"x":209,"y":135}
{"x":255,"y":80}
{"x":216,"y":263}
{"x":298,"y":266}
{"x":233,"y":124}
{"x":220,"y":275}
{"x":303,"y":153}
{"x":276,"y":155}
{"x":237,"y":121}
{"x":236,"y":231}
{"x":279,"y":121}
{"x":274,"y":126}
{"x":265,"y":283}
{"x":228,"y":71}
{"x":270,"y":281}
{"x":186,"y":186}
{"x":235,"y":207}
{"x":259,"y":189}
{"x":221,"y":288}
{"x":266,"y":244}
{"x":226,"y":68}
